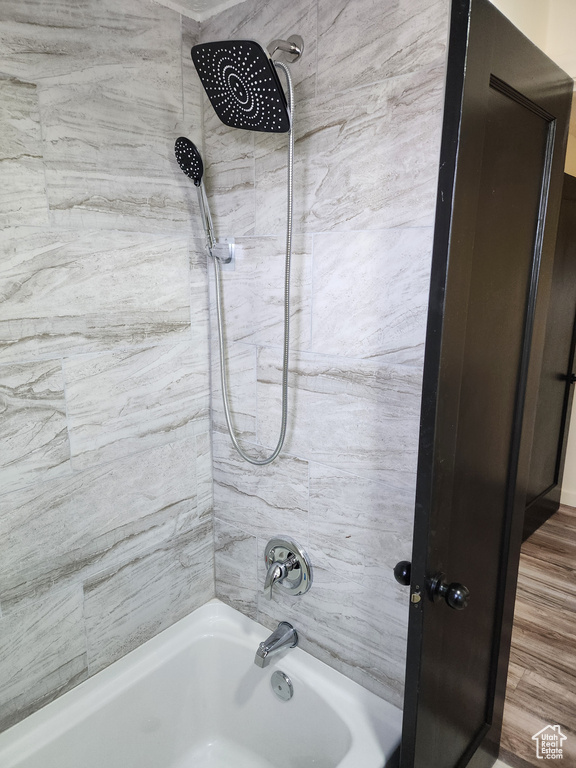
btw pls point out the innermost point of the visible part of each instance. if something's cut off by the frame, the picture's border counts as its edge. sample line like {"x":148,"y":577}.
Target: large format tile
{"x":191,"y":87}
{"x":41,"y":40}
{"x":356,"y":415}
{"x":111,"y":101}
{"x":371,"y":293}
{"x":42,"y":653}
{"x":235,"y":555}
{"x":361,"y":44}
{"x":359,"y":528}
{"x":264,"y":500}
{"x":138,"y":203}
{"x":125,"y":402}
{"x":111,"y":104}
{"x":128,"y":605}
{"x":33,"y":430}
{"x":88,"y":179}
{"x":22,"y":181}
{"x":253,"y":293}
{"x":19,"y":120}
{"x":229,"y":176}
{"x":240,"y":362}
{"x":69,"y":292}
{"x":199,"y":296}
{"x":204,"y":484}
{"x":96,"y":519}
{"x":355,"y":161}
{"x":350,"y":626}
{"x":111,"y":118}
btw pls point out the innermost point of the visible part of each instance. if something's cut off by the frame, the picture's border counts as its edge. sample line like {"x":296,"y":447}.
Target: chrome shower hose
{"x":274,"y":454}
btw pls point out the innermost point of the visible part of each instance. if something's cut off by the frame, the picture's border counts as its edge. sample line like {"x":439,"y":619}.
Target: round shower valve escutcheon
{"x":285,"y":553}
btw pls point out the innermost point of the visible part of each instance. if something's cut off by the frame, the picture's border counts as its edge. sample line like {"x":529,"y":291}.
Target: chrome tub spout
{"x":284,"y":636}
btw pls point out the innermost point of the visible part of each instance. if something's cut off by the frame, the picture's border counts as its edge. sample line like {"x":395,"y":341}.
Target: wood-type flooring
{"x":542,"y":676}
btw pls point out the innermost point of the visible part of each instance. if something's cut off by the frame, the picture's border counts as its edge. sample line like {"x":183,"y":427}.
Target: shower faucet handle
{"x":288,"y":566}
{"x":276,"y":574}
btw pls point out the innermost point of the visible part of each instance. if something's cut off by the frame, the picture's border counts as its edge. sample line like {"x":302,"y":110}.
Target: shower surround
{"x":105,"y":468}
{"x":111,"y":505}
{"x":368,"y":108}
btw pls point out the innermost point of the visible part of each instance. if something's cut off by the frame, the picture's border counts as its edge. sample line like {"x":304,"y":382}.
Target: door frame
{"x":458,"y":121}
{"x":543,"y":506}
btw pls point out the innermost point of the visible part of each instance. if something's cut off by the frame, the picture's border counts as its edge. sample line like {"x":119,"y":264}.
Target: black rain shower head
{"x":189,"y":159}
{"x":242,"y":84}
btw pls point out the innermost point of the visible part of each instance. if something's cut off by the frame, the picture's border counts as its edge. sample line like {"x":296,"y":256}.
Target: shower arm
{"x":293,"y":47}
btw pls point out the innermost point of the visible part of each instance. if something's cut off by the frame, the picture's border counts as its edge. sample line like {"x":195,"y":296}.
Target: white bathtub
{"x":193,"y":698}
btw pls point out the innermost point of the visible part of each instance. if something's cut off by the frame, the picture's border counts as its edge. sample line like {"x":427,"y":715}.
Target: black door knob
{"x":402,"y":572}
{"x":456,"y":595}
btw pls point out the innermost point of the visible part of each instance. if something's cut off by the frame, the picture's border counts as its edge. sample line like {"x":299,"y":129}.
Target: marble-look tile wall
{"x":369,"y":98}
{"x":106,"y":532}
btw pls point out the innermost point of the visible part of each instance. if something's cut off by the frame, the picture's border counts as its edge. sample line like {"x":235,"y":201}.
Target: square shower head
{"x":242,"y":84}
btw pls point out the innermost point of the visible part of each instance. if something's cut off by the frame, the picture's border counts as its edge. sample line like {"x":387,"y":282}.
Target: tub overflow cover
{"x":282,"y":686}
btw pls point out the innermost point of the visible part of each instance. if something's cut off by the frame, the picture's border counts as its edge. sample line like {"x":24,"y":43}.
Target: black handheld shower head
{"x":189,"y":159}
{"x":242,"y":84}
{"x":190,"y":162}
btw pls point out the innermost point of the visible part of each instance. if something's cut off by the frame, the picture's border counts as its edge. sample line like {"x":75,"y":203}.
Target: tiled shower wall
{"x":369,"y":97}
{"x":105,"y":475}
{"x":105,"y":467}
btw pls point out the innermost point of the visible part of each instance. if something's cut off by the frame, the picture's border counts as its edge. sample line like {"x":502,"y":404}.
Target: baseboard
{"x":568,"y":498}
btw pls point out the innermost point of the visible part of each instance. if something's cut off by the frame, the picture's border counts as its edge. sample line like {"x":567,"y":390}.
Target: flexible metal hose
{"x":274,"y":454}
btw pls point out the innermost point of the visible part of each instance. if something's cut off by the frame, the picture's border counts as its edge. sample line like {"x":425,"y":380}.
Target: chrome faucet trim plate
{"x":288,"y":566}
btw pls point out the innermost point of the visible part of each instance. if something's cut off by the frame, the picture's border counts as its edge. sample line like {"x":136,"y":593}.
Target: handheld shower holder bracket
{"x":225,"y":252}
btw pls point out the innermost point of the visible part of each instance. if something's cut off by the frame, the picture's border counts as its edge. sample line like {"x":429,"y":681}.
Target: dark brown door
{"x":556,"y":379}
{"x":504,"y":138}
